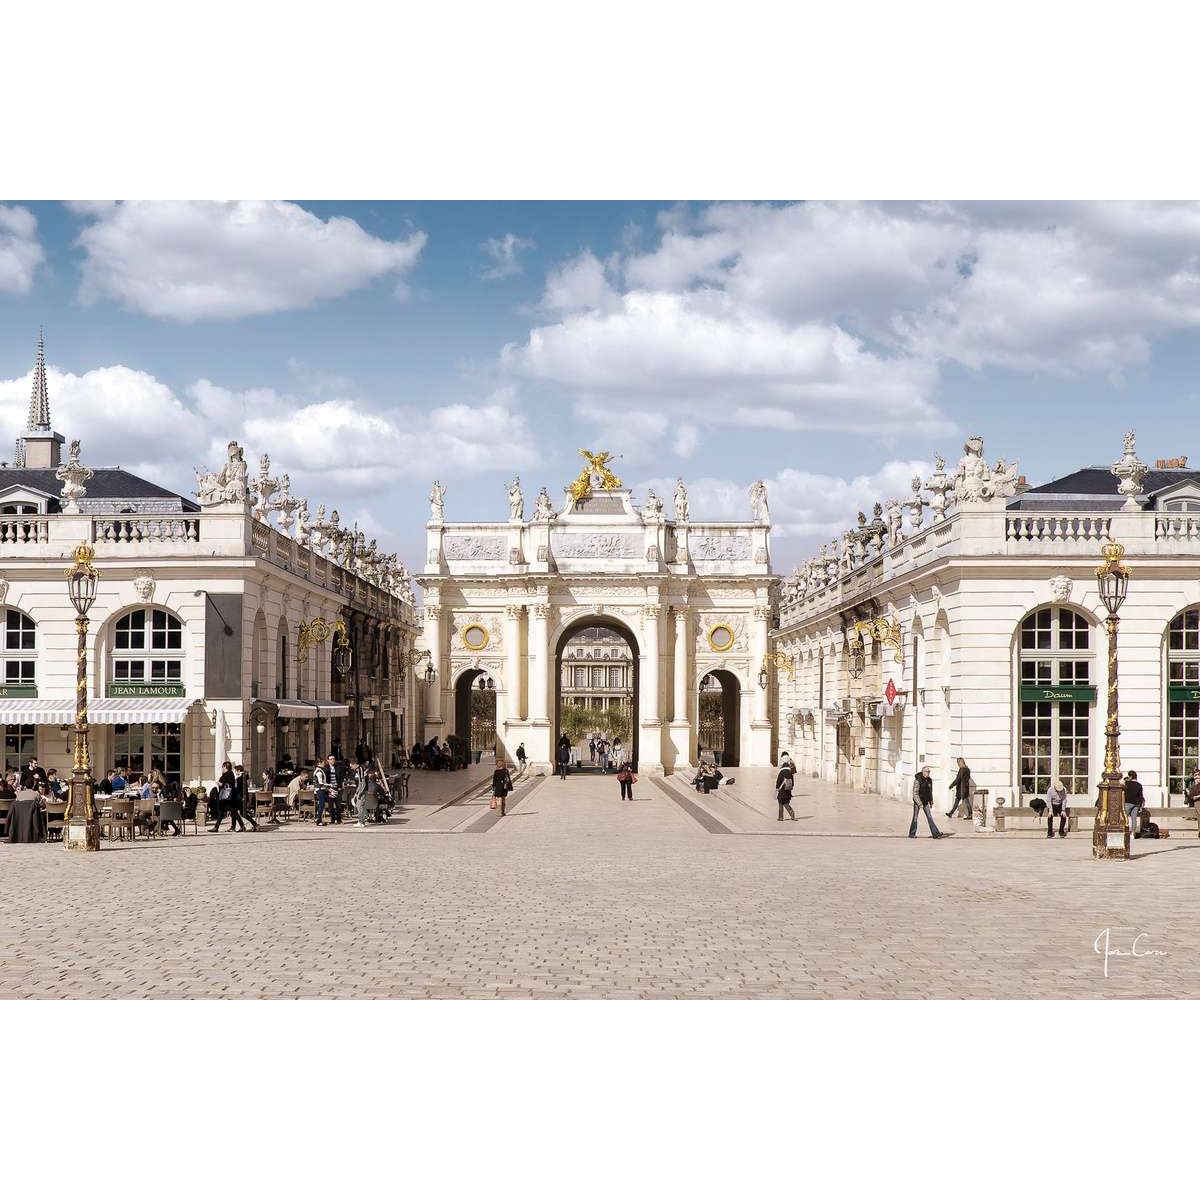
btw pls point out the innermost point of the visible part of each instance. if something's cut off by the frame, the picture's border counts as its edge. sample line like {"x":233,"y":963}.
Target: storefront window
{"x":18,"y":646}
{"x":1183,"y":700}
{"x":139,"y":749}
{"x":1057,"y":695}
{"x":148,"y":648}
{"x":20,"y":745}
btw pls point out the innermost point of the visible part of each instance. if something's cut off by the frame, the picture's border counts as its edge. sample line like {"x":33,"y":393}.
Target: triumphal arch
{"x":691,"y":598}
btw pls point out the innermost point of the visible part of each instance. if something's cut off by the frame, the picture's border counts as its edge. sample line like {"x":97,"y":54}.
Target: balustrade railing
{"x":107,"y":530}
{"x":23,"y":530}
{"x":1176,"y":527}
{"x":1056,"y":528}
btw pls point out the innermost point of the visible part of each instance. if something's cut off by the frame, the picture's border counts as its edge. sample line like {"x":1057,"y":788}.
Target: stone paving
{"x":578,"y":894}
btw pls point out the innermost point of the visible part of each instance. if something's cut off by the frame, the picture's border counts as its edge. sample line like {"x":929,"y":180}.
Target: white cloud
{"x":505,"y":254}
{"x":806,"y":508}
{"x":195,"y":260}
{"x":839,"y":315}
{"x":20,"y":251}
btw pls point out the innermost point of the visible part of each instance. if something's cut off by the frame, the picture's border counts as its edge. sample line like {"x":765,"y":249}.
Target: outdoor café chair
{"x":120,"y":820}
{"x":56,"y":815}
{"x":168,"y":811}
{"x":308,"y":804}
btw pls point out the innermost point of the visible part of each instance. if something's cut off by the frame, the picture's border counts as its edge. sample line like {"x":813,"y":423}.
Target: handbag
{"x":225,"y":795}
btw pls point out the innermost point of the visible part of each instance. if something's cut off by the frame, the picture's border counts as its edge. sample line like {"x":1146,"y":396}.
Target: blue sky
{"x":831,"y":349}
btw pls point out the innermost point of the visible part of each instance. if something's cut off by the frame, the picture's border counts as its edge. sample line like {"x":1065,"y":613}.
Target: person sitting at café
{"x":8,"y":787}
{"x":44,"y":794}
{"x":32,"y":775}
{"x":57,"y":786}
{"x":294,"y":789}
{"x":158,"y":795}
{"x":1193,"y":792}
{"x":144,"y":789}
{"x":117,"y":780}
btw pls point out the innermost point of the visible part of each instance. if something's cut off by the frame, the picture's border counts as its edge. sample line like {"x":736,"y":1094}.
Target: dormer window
{"x":1186,"y":504}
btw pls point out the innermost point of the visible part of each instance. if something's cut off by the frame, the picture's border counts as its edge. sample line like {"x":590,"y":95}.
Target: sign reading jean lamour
{"x":146,"y":689}
{"x":1084,"y":694}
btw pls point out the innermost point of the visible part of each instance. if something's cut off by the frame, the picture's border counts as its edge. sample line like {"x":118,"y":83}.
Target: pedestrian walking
{"x":961,"y":787}
{"x":784,"y":782}
{"x":325,"y":784}
{"x":226,"y":786}
{"x":241,"y":798}
{"x":502,"y":784}
{"x":564,"y":760}
{"x":922,"y":801}
{"x":521,"y":756}
{"x":602,"y":756}
{"x":1056,"y":806}
{"x":1193,"y":794}
{"x":618,"y":753}
{"x":592,"y":750}
{"x":626,"y":778}
{"x":1134,"y":799}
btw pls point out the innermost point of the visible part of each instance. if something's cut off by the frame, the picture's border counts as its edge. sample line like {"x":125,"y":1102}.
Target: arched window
{"x":18,"y":648}
{"x":1183,"y":699}
{"x":1057,"y":694}
{"x":147,"y":647}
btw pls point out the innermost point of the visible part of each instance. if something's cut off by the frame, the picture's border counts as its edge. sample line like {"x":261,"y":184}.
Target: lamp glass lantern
{"x":1114,"y":587}
{"x":342,"y":657}
{"x":81,"y":587}
{"x":762,"y":677}
{"x":858,"y":658}
{"x":430,"y":673}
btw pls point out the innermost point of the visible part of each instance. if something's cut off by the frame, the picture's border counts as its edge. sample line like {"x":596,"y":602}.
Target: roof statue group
{"x":973,"y":481}
{"x":266,"y":496}
{"x":597,"y":476}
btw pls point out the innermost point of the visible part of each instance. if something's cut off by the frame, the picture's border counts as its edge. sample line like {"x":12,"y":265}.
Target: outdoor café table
{"x":26,"y":821}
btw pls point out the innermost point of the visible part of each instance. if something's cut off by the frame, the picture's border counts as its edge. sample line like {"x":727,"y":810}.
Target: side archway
{"x":719,"y":718}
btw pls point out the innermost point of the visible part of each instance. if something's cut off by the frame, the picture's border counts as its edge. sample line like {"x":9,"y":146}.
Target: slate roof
{"x":1094,"y":489}
{"x":109,"y":484}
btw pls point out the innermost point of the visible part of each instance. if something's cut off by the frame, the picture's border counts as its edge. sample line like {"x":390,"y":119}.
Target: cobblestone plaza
{"x":576,"y":894}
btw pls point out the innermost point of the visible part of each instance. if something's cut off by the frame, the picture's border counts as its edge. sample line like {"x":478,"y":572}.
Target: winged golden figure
{"x":597,"y":464}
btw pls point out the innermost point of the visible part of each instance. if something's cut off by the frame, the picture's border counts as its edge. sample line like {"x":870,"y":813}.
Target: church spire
{"x":39,"y":400}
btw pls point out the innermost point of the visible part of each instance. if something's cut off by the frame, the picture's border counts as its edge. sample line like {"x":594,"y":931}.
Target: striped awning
{"x":37,"y":712}
{"x":311,"y":709}
{"x":135,"y":710}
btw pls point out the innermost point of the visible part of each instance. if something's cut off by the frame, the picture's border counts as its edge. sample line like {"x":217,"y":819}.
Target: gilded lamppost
{"x":1110,"y":835}
{"x":81,"y":824}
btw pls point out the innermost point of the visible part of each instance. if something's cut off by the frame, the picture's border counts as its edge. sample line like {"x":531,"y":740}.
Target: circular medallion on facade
{"x":475,"y":637}
{"x":720,"y":637}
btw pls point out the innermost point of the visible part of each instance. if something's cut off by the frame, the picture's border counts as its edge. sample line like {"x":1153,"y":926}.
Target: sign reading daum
{"x":146,"y":689}
{"x":1084,"y":694}
{"x":1178,"y":695}
{"x":15,"y":690}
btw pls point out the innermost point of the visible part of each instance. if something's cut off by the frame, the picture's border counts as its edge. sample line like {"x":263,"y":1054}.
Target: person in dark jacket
{"x":241,"y":797}
{"x":962,"y":789}
{"x":783,"y":789}
{"x":626,"y":778}
{"x":564,"y":759}
{"x":502,"y":784}
{"x":226,"y":786}
{"x":521,"y":756}
{"x":1193,"y":792}
{"x":1135,"y":798}
{"x":922,"y":798}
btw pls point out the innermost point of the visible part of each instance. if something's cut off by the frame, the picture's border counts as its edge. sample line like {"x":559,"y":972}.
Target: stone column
{"x":538,"y":747}
{"x":433,"y":697}
{"x":512,"y":671}
{"x":681,"y":732}
{"x":650,"y":740}
{"x":758,"y":752}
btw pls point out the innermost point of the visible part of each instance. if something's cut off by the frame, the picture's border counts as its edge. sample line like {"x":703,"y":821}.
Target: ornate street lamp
{"x":858,"y":657}
{"x":762,"y":677}
{"x":81,"y":824}
{"x":1110,"y":835}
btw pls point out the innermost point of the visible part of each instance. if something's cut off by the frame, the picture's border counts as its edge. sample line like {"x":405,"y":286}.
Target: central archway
{"x":475,"y":711}
{"x":606,"y":696}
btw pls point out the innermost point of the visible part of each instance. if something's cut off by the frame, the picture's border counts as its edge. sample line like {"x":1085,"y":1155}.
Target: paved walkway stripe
{"x":705,"y":820}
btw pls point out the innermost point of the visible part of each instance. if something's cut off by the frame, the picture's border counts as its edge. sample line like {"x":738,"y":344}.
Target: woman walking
{"x":962,"y":789}
{"x":783,"y":790}
{"x":626,"y":778}
{"x":502,"y":784}
{"x":922,"y":798}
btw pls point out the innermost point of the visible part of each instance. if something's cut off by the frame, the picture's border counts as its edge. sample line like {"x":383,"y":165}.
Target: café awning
{"x":309,"y":709}
{"x":31,"y":711}
{"x":136,"y":710}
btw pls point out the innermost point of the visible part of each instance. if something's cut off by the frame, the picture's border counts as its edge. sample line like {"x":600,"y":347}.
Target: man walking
{"x":325,"y":782}
{"x":1134,"y":799}
{"x":592,"y":749}
{"x":922,"y":798}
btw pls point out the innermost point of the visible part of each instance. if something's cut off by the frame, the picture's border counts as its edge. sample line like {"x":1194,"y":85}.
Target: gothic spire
{"x":39,"y":400}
